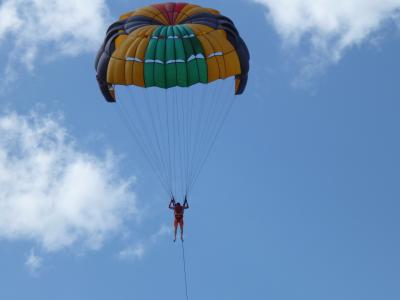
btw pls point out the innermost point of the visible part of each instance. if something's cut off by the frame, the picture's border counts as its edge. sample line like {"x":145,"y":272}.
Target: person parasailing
{"x":178,"y":212}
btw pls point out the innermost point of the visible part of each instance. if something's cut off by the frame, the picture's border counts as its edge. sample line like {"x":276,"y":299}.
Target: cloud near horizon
{"x":329,"y":27}
{"x":52,"y":193}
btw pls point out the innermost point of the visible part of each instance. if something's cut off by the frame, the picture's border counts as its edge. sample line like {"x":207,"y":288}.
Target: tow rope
{"x":184,"y":270}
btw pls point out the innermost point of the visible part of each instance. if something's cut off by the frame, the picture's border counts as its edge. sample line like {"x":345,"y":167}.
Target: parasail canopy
{"x":174,"y":69}
{"x":171,"y":44}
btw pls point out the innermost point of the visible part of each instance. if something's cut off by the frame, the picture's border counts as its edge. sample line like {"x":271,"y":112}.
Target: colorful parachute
{"x":173,"y":46}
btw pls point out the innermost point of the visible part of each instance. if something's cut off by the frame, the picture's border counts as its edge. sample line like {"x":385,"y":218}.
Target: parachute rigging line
{"x":219,"y":124}
{"x":184,"y":270}
{"x":175,"y":129}
{"x":142,"y":145}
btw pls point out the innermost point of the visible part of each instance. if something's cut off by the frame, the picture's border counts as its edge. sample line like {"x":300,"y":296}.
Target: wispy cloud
{"x":33,"y":30}
{"x":138,"y":250}
{"x":135,"y":252}
{"x":328,"y":27}
{"x":33,"y":262}
{"x":54,"y":194}
{"x":162,"y":232}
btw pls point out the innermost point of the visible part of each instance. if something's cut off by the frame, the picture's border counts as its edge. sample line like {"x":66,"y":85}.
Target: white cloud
{"x":329,"y":26}
{"x":34,"y":29}
{"x":163,"y":231}
{"x":137,"y":251}
{"x":33,"y":262}
{"x":53,"y":193}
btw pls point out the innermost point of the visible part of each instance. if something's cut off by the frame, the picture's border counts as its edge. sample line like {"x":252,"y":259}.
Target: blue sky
{"x":298,"y":200}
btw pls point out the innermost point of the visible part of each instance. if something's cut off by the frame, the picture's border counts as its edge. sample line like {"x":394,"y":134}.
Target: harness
{"x":178,"y":210}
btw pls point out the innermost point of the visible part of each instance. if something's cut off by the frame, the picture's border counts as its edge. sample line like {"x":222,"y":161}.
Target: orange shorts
{"x":178,"y":221}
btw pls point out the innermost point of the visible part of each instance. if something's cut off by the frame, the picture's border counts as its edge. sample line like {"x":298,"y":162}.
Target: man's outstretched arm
{"x":185,"y":204}
{"x":171,"y":204}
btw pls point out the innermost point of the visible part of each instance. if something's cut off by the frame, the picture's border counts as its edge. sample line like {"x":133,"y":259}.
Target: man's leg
{"x":176,"y":228}
{"x":181,"y":227}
